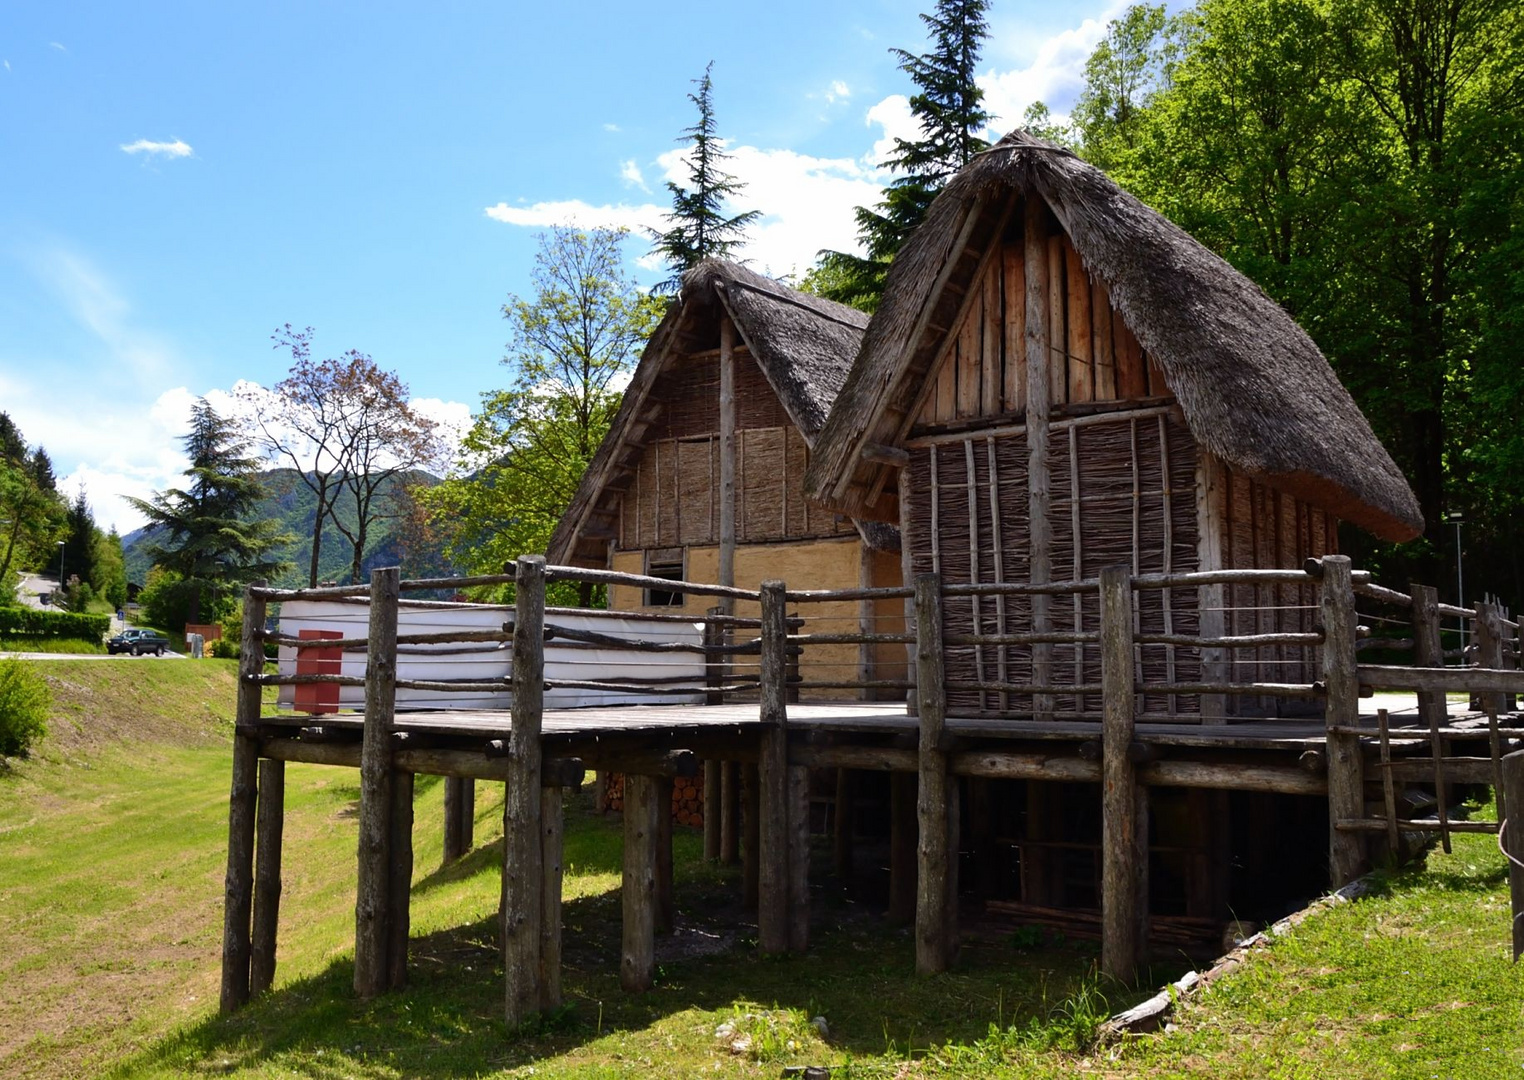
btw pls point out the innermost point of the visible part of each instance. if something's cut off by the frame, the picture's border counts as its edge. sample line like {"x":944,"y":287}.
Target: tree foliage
{"x":698,"y":227}
{"x":573,"y":343}
{"x":949,"y":107}
{"x":206,"y":540}
{"x":25,"y":705}
{"x":32,"y":513}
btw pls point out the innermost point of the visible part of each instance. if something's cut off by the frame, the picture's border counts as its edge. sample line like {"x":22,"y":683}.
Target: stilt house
{"x":701,"y":475}
{"x":1059,"y":380}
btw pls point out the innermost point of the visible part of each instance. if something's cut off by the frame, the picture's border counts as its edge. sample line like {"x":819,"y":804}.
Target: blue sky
{"x":177,"y":180}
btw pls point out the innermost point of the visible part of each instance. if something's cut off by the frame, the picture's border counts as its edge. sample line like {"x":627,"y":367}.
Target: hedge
{"x":33,"y":622}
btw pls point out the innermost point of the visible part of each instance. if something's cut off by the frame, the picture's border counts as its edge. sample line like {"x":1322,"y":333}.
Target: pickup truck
{"x":138,"y":642}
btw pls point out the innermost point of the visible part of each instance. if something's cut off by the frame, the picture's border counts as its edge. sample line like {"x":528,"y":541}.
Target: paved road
{"x":85,"y":656}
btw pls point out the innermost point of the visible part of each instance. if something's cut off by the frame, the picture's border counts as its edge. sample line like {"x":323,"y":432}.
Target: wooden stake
{"x":271,"y":819}
{"x":372,"y":970}
{"x":642,"y":813}
{"x":773,"y":885}
{"x":239,"y":882}
{"x":552,"y":831}
{"x":522,"y":869}
{"x":1346,"y":779}
{"x":1039,"y":399}
{"x":400,"y":881}
{"x":934,"y":945}
{"x":1123,"y":857}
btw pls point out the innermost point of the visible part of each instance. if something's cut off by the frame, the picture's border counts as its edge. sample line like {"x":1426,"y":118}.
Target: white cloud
{"x":838,"y":91}
{"x":612,"y":127}
{"x":542,"y":215}
{"x":94,"y":303}
{"x":898,"y":122}
{"x":57,"y":46}
{"x":630,"y":173}
{"x":7,"y":65}
{"x":177,"y":149}
{"x":1055,"y":75}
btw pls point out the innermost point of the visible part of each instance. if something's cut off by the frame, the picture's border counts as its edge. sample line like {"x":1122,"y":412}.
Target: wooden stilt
{"x":552,"y":831}
{"x":400,"y":888}
{"x":373,"y":890}
{"x":238,"y":896}
{"x":665,"y":902}
{"x":798,"y":859}
{"x":772,"y":770}
{"x":271,"y":821}
{"x":713,"y":771}
{"x":730,"y":813}
{"x":751,"y":827}
{"x":1346,"y":771}
{"x":1122,"y":861}
{"x":637,"y":957}
{"x":935,"y":898}
{"x":841,"y":840}
{"x":459,"y":816}
{"x":522,"y":869}
{"x":902,"y":848}
{"x":1513,"y":843}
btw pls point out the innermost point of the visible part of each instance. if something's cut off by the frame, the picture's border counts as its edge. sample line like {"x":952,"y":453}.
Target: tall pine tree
{"x":949,"y":106}
{"x":699,"y":228}
{"x":204,"y":535}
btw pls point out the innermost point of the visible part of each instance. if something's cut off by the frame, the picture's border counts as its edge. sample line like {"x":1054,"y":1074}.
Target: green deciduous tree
{"x":205,"y":538}
{"x":949,"y":107}
{"x":573,"y":342}
{"x":698,"y":225}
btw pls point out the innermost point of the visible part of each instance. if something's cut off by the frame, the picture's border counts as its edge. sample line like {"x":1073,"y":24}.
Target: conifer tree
{"x":699,"y":228}
{"x":949,"y":106}
{"x":204,"y":536}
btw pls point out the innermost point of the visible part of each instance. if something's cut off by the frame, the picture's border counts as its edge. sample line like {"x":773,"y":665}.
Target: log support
{"x":775,"y":814}
{"x":552,"y":832}
{"x":1346,"y":774}
{"x":238,"y":896}
{"x":1124,"y":847}
{"x":902,"y":848}
{"x":373,"y":893}
{"x":1513,"y":844}
{"x":523,"y":874}
{"x":459,"y":816}
{"x":730,"y":813}
{"x":642,"y":814}
{"x":713,"y":772}
{"x":936,"y":852}
{"x":399,"y":880}
{"x":271,"y":823}
{"x":666,"y":907}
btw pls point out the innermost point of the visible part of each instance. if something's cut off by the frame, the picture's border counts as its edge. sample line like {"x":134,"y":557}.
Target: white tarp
{"x":481,"y":661}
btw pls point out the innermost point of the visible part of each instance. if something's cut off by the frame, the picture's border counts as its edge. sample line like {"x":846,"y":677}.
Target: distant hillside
{"x":290,"y":502}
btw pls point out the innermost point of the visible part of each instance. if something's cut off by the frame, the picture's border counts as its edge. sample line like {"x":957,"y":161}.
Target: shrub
{"x":24,"y":706}
{"x":35,"y":622}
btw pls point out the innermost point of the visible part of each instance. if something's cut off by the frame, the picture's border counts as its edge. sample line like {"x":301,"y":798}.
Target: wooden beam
{"x":885,"y":455}
{"x":934,"y":946}
{"x":373,"y":892}
{"x":271,"y":821}
{"x":1039,"y":404}
{"x":637,"y":956}
{"x":238,"y":885}
{"x":1124,"y":852}
{"x":727,"y":554}
{"x":523,"y":872}
{"x":773,"y":897}
{"x":1346,"y":774}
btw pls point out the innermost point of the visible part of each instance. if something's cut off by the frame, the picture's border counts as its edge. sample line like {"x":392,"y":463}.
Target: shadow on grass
{"x":449,"y":1020}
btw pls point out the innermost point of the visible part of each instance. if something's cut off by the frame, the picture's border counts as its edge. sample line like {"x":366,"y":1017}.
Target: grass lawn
{"x":111,"y":862}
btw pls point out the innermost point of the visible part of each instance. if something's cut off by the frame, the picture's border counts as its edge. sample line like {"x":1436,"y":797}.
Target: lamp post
{"x":60,"y":565}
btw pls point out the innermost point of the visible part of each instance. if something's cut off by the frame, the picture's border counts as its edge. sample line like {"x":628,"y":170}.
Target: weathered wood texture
{"x":372,"y":893}
{"x":1513,"y":843}
{"x":459,"y":816}
{"x":1039,"y":526}
{"x":936,"y":898}
{"x":238,"y":886}
{"x":400,"y":880}
{"x":642,"y":813}
{"x":773,"y":933}
{"x":1346,"y":774}
{"x":1124,"y":852}
{"x":267,"y":851}
{"x":522,"y":867}
{"x":552,"y":833}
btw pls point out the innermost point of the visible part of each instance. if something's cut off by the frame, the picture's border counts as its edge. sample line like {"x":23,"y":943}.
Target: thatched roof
{"x":804,"y":346}
{"x":1254,"y":388}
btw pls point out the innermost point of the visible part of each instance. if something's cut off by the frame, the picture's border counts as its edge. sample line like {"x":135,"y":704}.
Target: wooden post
{"x":713,"y":780}
{"x":935,"y":901}
{"x":637,"y":956}
{"x":552,"y":831}
{"x":798,"y":858}
{"x":1123,"y":857}
{"x":730,"y":813}
{"x":271,"y":815}
{"x":1346,"y":768}
{"x":1513,"y":844}
{"x":523,"y":876}
{"x":238,"y":896}
{"x":751,"y":828}
{"x":772,"y":771}
{"x":1039,"y":360}
{"x":906,"y":562}
{"x":1428,"y":652}
{"x":841,"y":845}
{"x":665,"y":902}
{"x":715,"y":663}
{"x":459,"y":816}
{"x":902,"y":848}
{"x":727,"y":555}
{"x":1211,"y":522}
{"x":373,"y":890}
{"x":400,"y":886}
{"x":1489,"y":652}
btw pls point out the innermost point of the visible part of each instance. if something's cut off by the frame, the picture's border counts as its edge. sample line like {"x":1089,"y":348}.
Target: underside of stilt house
{"x":701,"y":476}
{"x":1060,"y":380}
